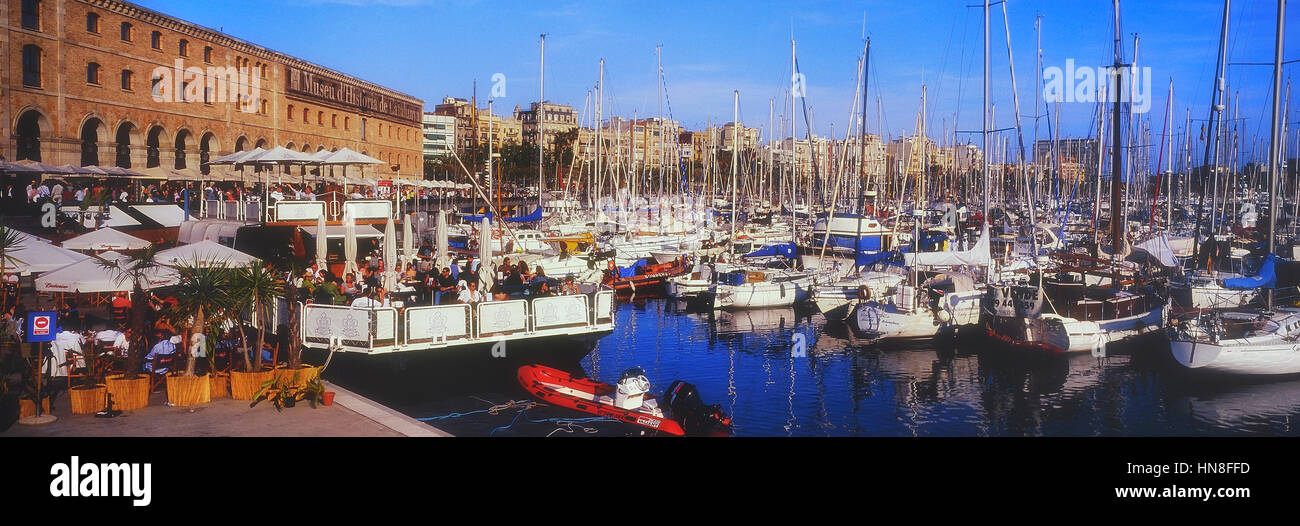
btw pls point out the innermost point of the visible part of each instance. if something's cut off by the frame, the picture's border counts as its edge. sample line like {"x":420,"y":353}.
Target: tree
{"x":202,"y":291}
{"x":135,"y":268}
{"x":9,"y":244}
{"x":256,"y":287}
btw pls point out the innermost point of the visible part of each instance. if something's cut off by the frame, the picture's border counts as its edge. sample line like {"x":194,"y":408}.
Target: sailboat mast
{"x":1116,"y":232}
{"x":540,"y":115}
{"x":1274,"y":148}
{"x":984,"y":110}
{"x":735,"y":159}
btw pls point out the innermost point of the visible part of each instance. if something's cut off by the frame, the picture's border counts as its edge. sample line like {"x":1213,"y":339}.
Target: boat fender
{"x":864,"y":293}
{"x":943,"y":315}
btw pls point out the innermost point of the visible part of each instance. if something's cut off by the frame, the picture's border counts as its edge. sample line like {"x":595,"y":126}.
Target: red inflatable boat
{"x":680,"y":412}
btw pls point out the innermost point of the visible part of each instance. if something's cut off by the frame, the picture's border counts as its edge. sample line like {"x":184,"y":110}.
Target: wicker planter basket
{"x":27,"y":408}
{"x":305,"y":374}
{"x":88,"y":401}
{"x":183,"y":391}
{"x":244,"y":385}
{"x":220,"y":387}
{"x":128,"y":395}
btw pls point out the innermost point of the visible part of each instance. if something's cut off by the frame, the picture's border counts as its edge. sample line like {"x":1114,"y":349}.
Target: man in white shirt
{"x":43,"y":191}
{"x":31,"y":194}
{"x":64,"y":342}
{"x":80,"y":195}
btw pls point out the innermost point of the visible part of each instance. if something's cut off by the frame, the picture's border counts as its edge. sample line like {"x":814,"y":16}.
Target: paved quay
{"x":350,"y":416}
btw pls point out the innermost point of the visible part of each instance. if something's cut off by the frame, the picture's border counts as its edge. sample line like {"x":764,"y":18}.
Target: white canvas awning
{"x":339,"y":231}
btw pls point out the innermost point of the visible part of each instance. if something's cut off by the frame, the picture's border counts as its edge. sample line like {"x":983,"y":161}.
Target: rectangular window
{"x":92,"y":23}
{"x":126,"y":80}
{"x":126,"y":32}
{"x":32,"y":15}
{"x":31,"y":66}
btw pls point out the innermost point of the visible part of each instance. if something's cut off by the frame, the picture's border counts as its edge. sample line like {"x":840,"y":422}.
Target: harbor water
{"x":792,"y":372}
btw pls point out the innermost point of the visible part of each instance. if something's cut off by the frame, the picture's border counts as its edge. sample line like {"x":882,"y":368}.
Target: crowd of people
{"x":423,"y":283}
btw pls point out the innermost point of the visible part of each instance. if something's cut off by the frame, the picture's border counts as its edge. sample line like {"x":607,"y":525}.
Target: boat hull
{"x":1239,"y":357}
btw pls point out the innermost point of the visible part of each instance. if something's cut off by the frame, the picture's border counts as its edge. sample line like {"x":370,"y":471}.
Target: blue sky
{"x":431,"y":49}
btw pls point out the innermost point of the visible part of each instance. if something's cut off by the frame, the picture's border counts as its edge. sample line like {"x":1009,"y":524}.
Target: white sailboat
{"x":1248,"y":343}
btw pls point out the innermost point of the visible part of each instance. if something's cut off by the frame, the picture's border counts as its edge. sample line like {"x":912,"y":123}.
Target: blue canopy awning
{"x":1266,"y":278}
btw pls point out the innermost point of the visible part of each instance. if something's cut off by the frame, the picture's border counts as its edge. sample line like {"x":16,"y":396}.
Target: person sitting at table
{"x":122,"y":343}
{"x":410,"y":272}
{"x":350,"y":286}
{"x":446,"y":287}
{"x":463,"y":294}
{"x":166,"y":346}
{"x":569,"y":287}
{"x":367,"y":301}
{"x":540,"y":284}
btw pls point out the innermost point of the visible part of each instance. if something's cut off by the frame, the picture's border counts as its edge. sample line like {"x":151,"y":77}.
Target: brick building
{"x":110,"y":83}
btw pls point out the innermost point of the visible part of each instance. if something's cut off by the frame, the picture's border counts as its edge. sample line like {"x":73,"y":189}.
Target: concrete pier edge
{"x":383,"y":415}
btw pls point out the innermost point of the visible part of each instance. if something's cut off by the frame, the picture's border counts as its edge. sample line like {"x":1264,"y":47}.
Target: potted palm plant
{"x":296,"y":371}
{"x":254,"y":288}
{"x":201,"y":292}
{"x":130,"y":390}
{"x":91,"y":395}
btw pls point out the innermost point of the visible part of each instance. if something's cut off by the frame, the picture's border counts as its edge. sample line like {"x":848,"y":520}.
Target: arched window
{"x":306,"y":116}
{"x":31,"y":65}
{"x":334,"y":120}
{"x":290,"y":112}
{"x":127,"y":77}
{"x":32,"y":15}
{"x":128,"y":32}
{"x":183,"y":48}
{"x":156,"y":86}
{"x":265,"y":108}
{"x":92,"y":73}
{"x":320,"y":118}
{"x":155,"y":40}
{"x":347,"y":123}
{"x":92,"y":23}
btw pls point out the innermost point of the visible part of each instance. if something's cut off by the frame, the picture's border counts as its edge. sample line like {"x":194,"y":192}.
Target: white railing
{"x":437,"y":325}
{"x":380,"y":330}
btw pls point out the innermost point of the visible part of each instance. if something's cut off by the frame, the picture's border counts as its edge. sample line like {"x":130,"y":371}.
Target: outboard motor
{"x":683,"y":399}
{"x":632,"y":388}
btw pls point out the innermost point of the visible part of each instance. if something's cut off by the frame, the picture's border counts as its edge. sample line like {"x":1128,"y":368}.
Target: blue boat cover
{"x":785,"y":250}
{"x":535,"y":216}
{"x":891,"y":257}
{"x":477,"y":219}
{"x":627,"y":272}
{"x":1266,"y":278}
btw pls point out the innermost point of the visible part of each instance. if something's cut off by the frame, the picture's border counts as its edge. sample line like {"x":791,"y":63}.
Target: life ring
{"x":864,"y":293}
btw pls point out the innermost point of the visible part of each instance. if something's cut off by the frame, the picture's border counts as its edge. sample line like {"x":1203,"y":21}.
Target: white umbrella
{"x":36,"y":255}
{"x":486,"y":272}
{"x":88,"y":276}
{"x":408,"y":239}
{"x":348,"y":156}
{"x":390,"y":256}
{"x":106,"y":239}
{"x":206,"y":253}
{"x":350,"y":243}
{"x":320,"y":241}
{"x":442,"y":239}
